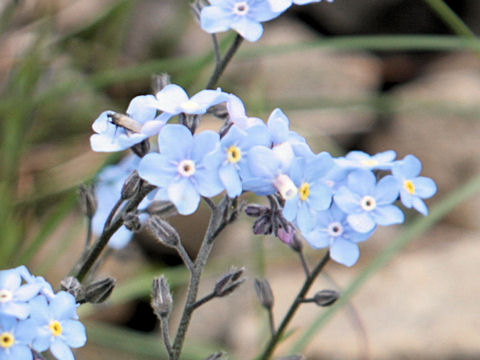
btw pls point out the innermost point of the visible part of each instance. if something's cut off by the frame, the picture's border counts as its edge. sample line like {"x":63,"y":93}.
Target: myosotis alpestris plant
{"x":332,"y":203}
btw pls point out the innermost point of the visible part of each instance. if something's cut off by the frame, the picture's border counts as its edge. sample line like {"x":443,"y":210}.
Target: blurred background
{"x":370,"y":75}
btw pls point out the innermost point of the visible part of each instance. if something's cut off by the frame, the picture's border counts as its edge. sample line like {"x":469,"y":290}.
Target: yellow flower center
{"x":304,"y":191}
{"x":369,"y":162}
{"x":186,"y":168}
{"x":368,"y":203}
{"x":56,"y":327}
{"x":234,"y":154}
{"x":409,"y":186}
{"x":5,"y":295}
{"x":6,"y":340}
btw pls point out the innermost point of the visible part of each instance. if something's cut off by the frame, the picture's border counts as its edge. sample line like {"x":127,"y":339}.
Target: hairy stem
{"x":267,"y":353}
{"x":215,"y":226}
{"x":220,"y":66}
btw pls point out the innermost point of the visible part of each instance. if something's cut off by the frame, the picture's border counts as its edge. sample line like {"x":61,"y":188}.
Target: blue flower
{"x":182,"y":169}
{"x":313,"y":193}
{"x":15,"y":338}
{"x":334,"y":231}
{"x":57,"y":324}
{"x":45,"y":287}
{"x":282,"y":5}
{"x":368,"y":203}
{"x":14,"y":295}
{"x":107,"y":191}
{"x":243,"y":16}
{"x":361,"y":160}
{"x":413,"y":188}
{"x":111,"y":137}
{"x":173,"y":100}
{"x":234,"y":147}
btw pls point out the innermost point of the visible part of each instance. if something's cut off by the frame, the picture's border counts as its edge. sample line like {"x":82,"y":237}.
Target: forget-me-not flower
{"x":142,"y":124}
{"x":57,"y":324}
{"x":413,"y":188}
{"x":361,"y":160}
{"x":313,"y":193}
{"x":182,"y":169}
{"x":238,"y":116}
{"x":243,"y":16}
{"x":333,"y":230}
{"x":15,"y":338}
{"x":367,"y":202}
{"x":14,"y":295}
{"x":234,"y":147}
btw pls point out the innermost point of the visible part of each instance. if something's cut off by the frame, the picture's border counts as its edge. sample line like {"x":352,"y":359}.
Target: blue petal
{"x":61,"y":351}
{"x":318,"y":238}
{"x":387,"y":190}
{"x":231,"y":180}
{"x":278,"y":125}
{"x":214,"y":19}
{"x":347,"y":200}
{"x":203,"y":143}
{"x":208,"y":98}
{"x":280,"y":5}
{"x":170,"y":98}
{"x":420,"y":206}
{"x":344,"y":252}
{"x":262,"y":162}
{"x":362,"y":182}
{"x":63,"y":306}
{"x":361,"y":222}
{"x":9,"y":280}
{"x":74,"y":333}
{"x":184,"y":196}
{"x":142,"y":109}
{"x":176,"y":142}
{"x":424,"y":187}
{"x":290,"y":209}
{"x":250,"y":29}
{"x":387,"y":215}
{"x":157,"y":169}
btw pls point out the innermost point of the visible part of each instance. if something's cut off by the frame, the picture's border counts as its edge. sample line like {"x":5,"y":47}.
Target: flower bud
{"x":256,"y":210}
{"x":131,"y":185}
{"x":74,"y":287}
{"x":132,"y":221}
{"x":88,"y":200}
{"x":286,"y":235}
{"x":163,"y":231}
{"x":99,"y":291}
{"x":141,"y":149}
{"x":229,"y":282}
{"x":161,"y":297}
{"x":326,"y":297}
{"x":263,"y":225}
{"x":264,"y":293}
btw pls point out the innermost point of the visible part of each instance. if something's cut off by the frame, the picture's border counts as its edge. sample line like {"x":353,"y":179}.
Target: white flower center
{"x":186,"y":168}
{"x":5,"y":296}
{"x":335,"y":229}
{"x":241,"y":8}
{"x":368,"y":203}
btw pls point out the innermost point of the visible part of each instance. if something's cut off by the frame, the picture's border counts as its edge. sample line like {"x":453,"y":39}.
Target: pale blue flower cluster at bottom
{"x":333,"y":202}
{"x":34,"y":318}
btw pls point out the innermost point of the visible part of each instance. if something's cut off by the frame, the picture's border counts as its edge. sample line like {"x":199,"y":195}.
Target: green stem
{"x":267,"y":353}
{"x":450,"y":18}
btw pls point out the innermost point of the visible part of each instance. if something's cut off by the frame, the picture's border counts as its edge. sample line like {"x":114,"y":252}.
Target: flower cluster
{"x":34,"y":319}
{"x":244,"y":16}
{"x":333,"y":202}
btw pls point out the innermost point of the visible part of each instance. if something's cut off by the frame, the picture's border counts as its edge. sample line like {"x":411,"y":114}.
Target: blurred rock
{"x":437,"y":120}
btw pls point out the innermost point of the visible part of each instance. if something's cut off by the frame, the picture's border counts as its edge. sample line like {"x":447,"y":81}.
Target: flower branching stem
{"x":220,"y":217}
{"x":267,"y":353}
{"x":89,"y":258}
{"x":222,"y":64}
